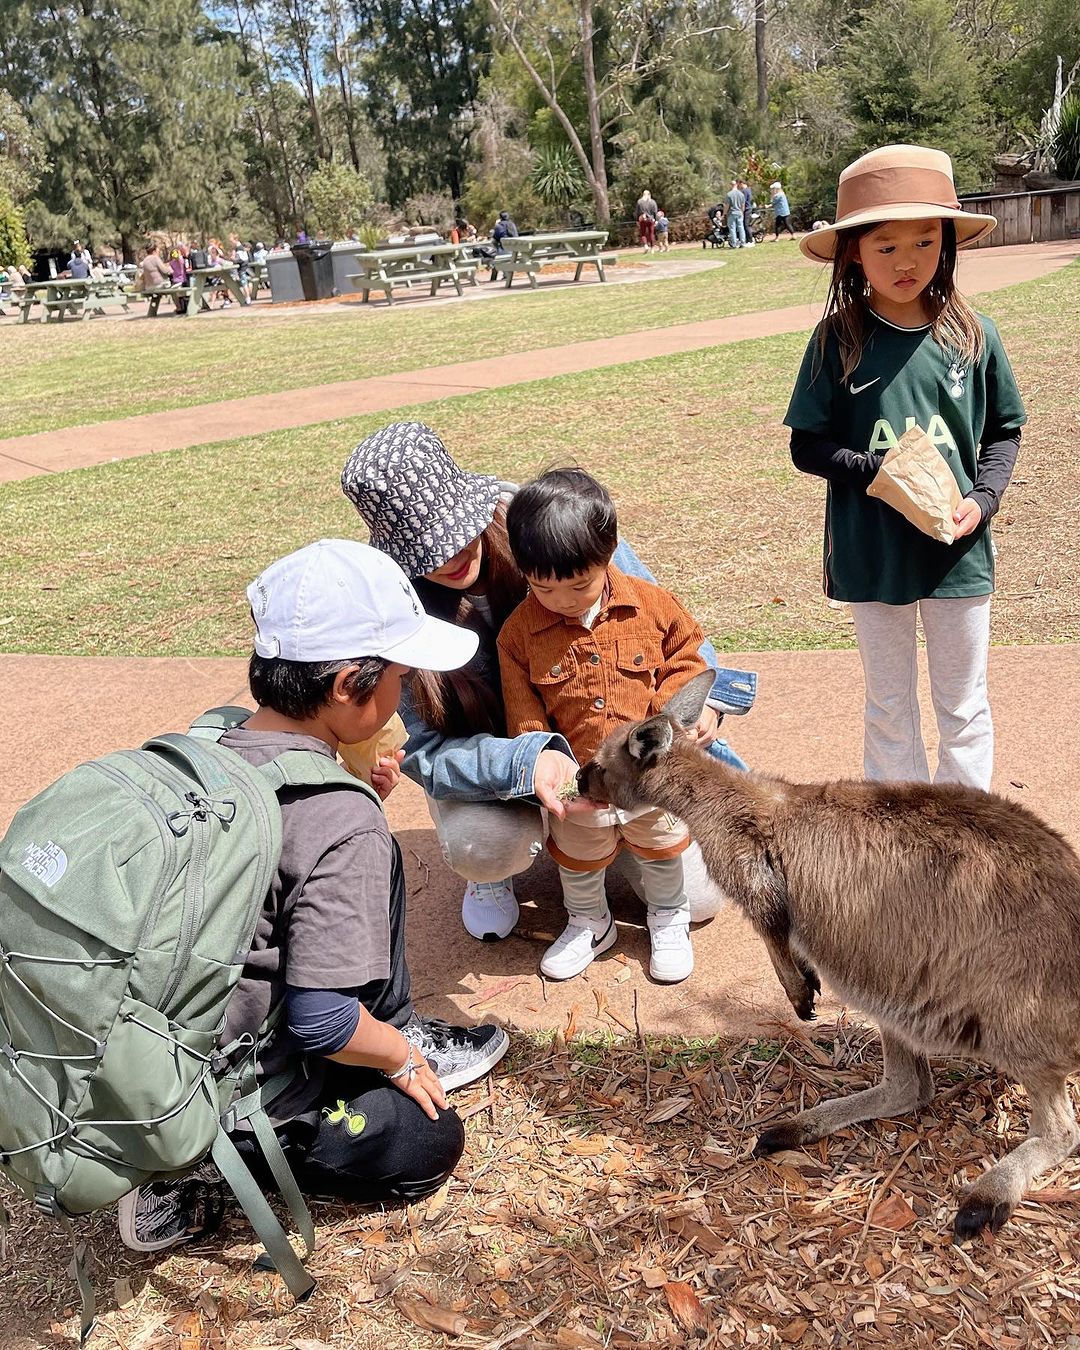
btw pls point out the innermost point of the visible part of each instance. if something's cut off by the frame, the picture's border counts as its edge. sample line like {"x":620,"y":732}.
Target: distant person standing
{"x":662,"y":226}
{"x":735,"y":203}
{"x":748,"y":210}
{"x":645,"y":211}
{"x":781,"y":211}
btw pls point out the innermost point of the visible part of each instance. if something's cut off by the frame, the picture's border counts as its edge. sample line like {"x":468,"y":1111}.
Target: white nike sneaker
{"x":578,"y":945}
{"x":669,"y":936}
{"x":489,"y":910}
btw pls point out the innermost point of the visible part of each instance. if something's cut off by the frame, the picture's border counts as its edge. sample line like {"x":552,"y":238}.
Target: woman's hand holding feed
{"x":552,"y":771}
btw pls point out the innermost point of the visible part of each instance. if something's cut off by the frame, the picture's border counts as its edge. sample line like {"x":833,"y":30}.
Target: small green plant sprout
{"x":569,"y":792}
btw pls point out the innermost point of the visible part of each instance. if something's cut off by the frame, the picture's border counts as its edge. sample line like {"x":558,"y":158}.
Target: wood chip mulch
{"x":607,"y":1197}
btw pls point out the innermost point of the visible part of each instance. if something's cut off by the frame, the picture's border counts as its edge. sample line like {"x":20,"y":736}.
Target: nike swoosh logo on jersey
{"x":858,"y":388}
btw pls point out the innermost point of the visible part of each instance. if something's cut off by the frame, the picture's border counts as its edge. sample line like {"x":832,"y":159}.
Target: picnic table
{"x":78,"y":297}
{"x":528,"y":253}
{"x":209,"y":279}
{"x":390,"y":269}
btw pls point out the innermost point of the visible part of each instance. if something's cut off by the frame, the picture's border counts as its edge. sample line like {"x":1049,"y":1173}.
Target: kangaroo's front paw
{"x":785,"y":1135}
{"x":810,"y":975}
{"x":803,"y":1003}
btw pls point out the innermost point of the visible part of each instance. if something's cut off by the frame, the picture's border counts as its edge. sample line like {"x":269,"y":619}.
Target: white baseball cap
{"x":337,"y":599}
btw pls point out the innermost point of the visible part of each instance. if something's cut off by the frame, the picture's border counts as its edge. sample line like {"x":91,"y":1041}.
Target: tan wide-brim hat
{"x":897,"y":182}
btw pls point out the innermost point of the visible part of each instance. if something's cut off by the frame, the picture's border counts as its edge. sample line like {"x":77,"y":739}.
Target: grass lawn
{"x":150,"y":556}
{"x":147,"y":366}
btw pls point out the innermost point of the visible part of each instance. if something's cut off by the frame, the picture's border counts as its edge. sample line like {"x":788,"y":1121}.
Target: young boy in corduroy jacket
{"x":589,"y":649}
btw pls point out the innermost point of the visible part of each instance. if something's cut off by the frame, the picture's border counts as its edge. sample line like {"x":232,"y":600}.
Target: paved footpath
{"x":806,"y":724}
{"x":79,"y":447}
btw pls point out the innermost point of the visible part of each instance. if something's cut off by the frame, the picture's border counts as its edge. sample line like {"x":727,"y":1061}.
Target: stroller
{"x":716,"y":234}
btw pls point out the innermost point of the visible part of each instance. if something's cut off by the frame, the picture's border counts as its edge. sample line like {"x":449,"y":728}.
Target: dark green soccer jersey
{"x":904,"y":379}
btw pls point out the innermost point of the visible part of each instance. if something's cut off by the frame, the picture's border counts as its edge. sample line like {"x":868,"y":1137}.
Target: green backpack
{"x":129,"y":894}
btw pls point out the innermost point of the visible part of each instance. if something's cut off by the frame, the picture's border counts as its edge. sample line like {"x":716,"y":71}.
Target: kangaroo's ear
{"x":649,"y":740}
{"x":686,"y":706}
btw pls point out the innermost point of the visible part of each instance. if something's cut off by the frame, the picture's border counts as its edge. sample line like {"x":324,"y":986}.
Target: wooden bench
{"x":531,"y":252}
{"x":391,"y":269}
{"x":109,"y":293}
{"x":58,"y":306}
{"x":155,"y":297}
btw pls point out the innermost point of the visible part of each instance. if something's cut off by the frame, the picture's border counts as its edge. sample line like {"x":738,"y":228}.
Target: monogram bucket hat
{"x":420,"y":507}
{"x":897,"y":182}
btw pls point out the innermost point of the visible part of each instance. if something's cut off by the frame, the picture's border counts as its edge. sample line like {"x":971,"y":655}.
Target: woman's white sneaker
{"x":669,"y":935}
{"x":578,"y":945}
{"x":489,"y":910}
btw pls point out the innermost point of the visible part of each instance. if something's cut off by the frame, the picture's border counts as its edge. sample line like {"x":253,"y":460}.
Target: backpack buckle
{"x":45,"y":1202}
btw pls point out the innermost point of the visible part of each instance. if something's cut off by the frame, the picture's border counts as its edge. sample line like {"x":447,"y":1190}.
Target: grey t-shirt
{"x":325,"y":923}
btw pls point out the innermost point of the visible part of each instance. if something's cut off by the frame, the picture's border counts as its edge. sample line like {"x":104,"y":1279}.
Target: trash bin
{"x":316,"y":267}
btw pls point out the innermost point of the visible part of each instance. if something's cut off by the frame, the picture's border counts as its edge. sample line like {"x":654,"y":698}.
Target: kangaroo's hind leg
{"x":1053,"y":1136}
{"x":900,"y":1092}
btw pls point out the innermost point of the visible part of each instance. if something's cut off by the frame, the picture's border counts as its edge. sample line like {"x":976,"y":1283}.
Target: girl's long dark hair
{"x":954,"y":325}
{"x":462,"y":702}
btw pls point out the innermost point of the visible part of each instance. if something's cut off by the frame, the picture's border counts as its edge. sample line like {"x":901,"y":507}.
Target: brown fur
{"x":949,"y":915}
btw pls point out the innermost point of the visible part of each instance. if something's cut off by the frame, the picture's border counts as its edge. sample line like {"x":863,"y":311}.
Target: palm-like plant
{"x":1065,"y":147}
{"x":557,"y":176}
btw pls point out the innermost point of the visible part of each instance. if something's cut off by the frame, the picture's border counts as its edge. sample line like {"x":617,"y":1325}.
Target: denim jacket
{"x":498,"y":768}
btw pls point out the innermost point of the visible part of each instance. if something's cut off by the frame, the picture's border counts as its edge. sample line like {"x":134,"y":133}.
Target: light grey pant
{"x":957,"y":635}
{"x":490,"y":841}
{"x":662,"y":887}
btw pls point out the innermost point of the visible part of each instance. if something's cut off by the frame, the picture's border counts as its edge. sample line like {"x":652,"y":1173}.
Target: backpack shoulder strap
{"x":305,"y":768}
{"x":292,"y":768}
{"x":215,"y":722}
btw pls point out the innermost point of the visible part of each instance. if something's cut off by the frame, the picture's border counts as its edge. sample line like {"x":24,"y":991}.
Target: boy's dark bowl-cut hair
{"x":298,"y":689}
{"x":560,"y":524}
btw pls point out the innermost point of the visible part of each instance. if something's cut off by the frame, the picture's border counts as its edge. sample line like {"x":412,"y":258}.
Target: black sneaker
{"x":165,"y":1213}
{"x":458,"y":1055}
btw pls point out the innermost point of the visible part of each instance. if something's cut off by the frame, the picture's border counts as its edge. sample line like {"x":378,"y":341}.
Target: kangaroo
{"x":949,"y":915}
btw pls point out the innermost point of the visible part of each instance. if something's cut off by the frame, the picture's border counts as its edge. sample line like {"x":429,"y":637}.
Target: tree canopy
{"x":126,"y":117}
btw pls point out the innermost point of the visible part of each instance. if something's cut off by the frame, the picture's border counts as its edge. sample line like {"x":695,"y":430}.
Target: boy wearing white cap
{"x":364,"y":1114}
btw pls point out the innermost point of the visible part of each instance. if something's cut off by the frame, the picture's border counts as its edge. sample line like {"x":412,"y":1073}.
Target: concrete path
{"x":807,"y":724}
{"x":79,"y":447}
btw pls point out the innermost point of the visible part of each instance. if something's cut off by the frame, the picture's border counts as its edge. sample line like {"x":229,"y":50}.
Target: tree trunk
{"x":598,"y":182}
{"x":759,"y":56}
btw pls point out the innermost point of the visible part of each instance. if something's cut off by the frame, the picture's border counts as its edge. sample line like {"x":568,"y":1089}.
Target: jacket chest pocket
{"x":638,"y":660}
{"x":548,"y":676}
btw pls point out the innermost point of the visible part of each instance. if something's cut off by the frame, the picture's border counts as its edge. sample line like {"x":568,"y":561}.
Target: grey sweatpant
{"x":490,"y":841}
{"x":957,"y":635}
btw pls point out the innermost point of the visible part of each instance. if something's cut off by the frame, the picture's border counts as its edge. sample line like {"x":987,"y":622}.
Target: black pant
{"x":365,"y":1141}
{"x":782,"y":223}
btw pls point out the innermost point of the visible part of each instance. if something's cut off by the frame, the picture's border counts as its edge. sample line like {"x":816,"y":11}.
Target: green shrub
{"x":14,"y":249}
{"x":338,"y":198}
{"x":557,"y":176}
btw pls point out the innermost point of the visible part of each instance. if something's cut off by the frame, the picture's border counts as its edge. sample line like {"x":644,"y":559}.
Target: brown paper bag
{"x":362,"y":756}
{"x":915,"y":479}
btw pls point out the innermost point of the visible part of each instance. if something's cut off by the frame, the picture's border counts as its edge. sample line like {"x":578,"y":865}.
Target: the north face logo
{"x":48,"y":862}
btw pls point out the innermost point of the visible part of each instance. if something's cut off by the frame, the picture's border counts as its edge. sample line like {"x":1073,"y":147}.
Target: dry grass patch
{"x":607,"y":1198}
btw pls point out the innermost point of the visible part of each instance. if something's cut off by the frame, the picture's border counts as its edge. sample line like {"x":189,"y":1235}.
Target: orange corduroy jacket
{"x":558,"y":675}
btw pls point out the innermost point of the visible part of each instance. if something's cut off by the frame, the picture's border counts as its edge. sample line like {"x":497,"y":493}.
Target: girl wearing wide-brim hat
{"x":899,"y":346}
{"x":489,"y":794}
